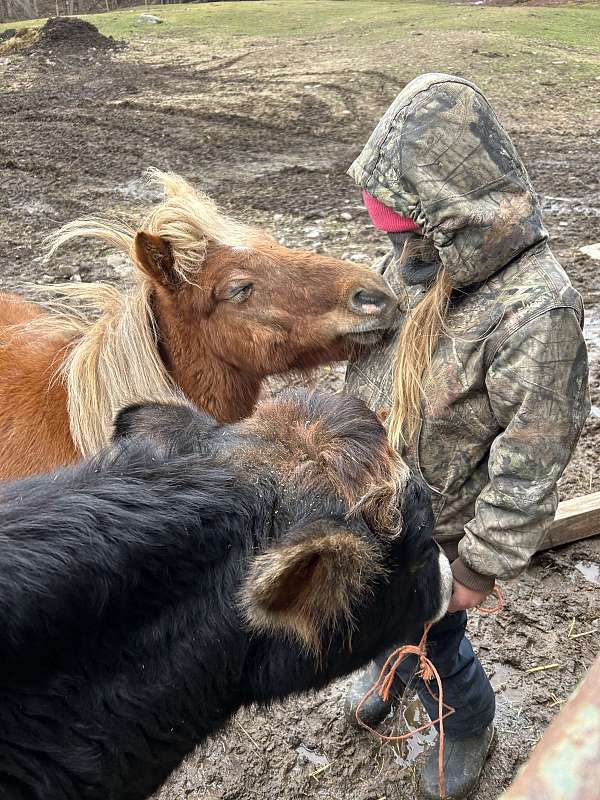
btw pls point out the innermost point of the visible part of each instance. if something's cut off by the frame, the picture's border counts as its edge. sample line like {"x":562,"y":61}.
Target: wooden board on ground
{"x":575,"y":519}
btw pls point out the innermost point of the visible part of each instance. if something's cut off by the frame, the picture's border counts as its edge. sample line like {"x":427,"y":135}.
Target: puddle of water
{"x":501,"y":675}
{"x":503,"y":681}
{"x":589,"y":570}
{"x":415,"y":716}
{"x":591,"y":250}
{"x":318,"y":759}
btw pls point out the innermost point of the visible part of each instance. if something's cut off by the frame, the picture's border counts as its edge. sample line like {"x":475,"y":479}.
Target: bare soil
{"x":269,"y":128}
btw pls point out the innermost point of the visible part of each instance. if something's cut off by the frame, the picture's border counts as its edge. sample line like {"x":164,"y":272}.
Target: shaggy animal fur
{"x":124,"y":642}
{"x":304,"y":587}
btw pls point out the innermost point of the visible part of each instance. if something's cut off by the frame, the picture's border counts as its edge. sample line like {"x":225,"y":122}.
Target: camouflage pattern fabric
{"x":507,"y":395}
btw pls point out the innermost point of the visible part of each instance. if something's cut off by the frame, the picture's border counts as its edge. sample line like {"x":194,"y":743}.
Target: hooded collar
{"x":440,"y":156}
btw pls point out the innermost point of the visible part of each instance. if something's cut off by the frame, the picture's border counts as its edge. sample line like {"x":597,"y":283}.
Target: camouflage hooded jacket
{"x":507,"y":394}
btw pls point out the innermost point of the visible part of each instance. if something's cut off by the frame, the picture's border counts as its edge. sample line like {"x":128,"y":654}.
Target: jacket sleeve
{"x":538,"y":390}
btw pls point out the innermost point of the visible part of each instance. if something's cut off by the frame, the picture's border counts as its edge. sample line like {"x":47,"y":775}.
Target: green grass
{"x":567,"y":26}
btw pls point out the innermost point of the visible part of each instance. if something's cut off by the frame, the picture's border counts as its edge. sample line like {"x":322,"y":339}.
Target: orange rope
{"x":427,"y":672}
{"x":494,"y":609}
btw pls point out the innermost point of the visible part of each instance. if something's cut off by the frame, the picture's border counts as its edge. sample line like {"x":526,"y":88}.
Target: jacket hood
{"x":440,"y":156}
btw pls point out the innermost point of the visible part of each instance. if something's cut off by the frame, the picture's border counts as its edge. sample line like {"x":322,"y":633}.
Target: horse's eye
{"x":239,"y":293}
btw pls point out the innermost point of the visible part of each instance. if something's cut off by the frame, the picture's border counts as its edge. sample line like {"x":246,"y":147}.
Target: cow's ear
{"x":309,"y":583}
{"x":154,"y":256}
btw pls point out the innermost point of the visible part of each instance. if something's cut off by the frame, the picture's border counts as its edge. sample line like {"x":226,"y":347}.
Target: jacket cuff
{"x":471,"y":579}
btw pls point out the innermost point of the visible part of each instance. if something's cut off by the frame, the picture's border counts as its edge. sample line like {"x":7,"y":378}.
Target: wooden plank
{"x":575,"y":519}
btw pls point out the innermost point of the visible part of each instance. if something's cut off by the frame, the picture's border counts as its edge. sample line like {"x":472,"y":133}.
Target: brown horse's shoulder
{"x":28,"y":352}
{"x":34,"y":422}
{"x":15,"y":310}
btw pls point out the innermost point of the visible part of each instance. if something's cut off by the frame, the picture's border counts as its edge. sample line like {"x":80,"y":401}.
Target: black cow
{"x":193,"y":568}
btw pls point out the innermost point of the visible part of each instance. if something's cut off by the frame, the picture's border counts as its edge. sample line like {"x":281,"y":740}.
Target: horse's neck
{"x":217,"y":387}
{"x":224,"y":392}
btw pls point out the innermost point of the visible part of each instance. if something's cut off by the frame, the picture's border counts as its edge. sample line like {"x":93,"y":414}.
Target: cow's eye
{"x":239,"y":292}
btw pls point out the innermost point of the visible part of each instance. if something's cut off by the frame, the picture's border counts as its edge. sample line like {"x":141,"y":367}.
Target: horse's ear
{"x":164,"y":423}
{"x":154,"y":257}
{"x":310,"y":582}
{"x":151,"y":418}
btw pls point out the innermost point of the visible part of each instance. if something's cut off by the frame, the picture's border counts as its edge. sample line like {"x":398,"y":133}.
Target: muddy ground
{"x":269,"y":128}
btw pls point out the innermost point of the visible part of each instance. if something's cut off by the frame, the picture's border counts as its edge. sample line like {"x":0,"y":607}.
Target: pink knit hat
{"x":385,"y":218}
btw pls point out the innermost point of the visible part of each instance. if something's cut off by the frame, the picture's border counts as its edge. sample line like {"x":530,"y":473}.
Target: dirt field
{"x":265,"y":106}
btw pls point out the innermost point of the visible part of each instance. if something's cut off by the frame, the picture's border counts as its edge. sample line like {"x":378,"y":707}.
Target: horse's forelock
{"x":191,"y":220}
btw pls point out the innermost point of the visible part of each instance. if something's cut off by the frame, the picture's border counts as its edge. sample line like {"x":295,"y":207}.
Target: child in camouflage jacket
{"x":489,"y":340}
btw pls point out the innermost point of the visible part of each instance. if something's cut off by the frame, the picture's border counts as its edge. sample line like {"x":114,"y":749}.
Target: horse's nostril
{"x":371,"y":301}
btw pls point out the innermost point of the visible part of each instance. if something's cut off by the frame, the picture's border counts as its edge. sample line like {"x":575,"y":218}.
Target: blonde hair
{"x":187,"y":218}
{"x":113,"y":358}
{"x":424,"y":325}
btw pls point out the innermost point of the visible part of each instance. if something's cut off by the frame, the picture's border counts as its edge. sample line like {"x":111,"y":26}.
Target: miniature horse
{"x":193,"y":568}
{"x":215,"y":308}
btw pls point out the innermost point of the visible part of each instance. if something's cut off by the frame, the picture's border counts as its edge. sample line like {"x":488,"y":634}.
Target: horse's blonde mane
{"x":187,"y":218}
{"x":114,"y":358}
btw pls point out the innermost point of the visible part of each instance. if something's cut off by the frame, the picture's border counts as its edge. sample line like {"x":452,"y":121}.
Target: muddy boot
{"x":463,"y":763}
{"x":374,"y":710}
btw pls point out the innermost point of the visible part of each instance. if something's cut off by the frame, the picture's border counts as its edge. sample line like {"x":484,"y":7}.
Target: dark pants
{"x":466,"y":686}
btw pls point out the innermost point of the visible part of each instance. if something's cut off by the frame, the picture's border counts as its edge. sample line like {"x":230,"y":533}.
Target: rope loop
{"x":428,"y":673}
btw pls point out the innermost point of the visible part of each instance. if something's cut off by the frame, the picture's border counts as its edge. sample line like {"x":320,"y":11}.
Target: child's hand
{"x":463,"y":598}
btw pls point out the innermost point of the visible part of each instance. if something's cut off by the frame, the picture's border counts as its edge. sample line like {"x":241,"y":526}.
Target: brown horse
{"x":216,"y":306}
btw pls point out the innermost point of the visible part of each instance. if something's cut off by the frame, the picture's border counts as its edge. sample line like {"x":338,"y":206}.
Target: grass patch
{"x":576,"y":26}
{"x":522,"y":39}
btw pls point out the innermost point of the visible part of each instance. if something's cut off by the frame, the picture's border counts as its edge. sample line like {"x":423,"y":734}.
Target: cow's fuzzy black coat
{"x":122,"y":641}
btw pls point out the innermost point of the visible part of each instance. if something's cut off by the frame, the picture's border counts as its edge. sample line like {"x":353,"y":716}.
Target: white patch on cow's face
{"x":446,"y":582}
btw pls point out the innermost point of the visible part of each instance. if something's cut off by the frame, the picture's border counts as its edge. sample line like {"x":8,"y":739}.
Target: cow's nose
{"x":372,"y":302}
